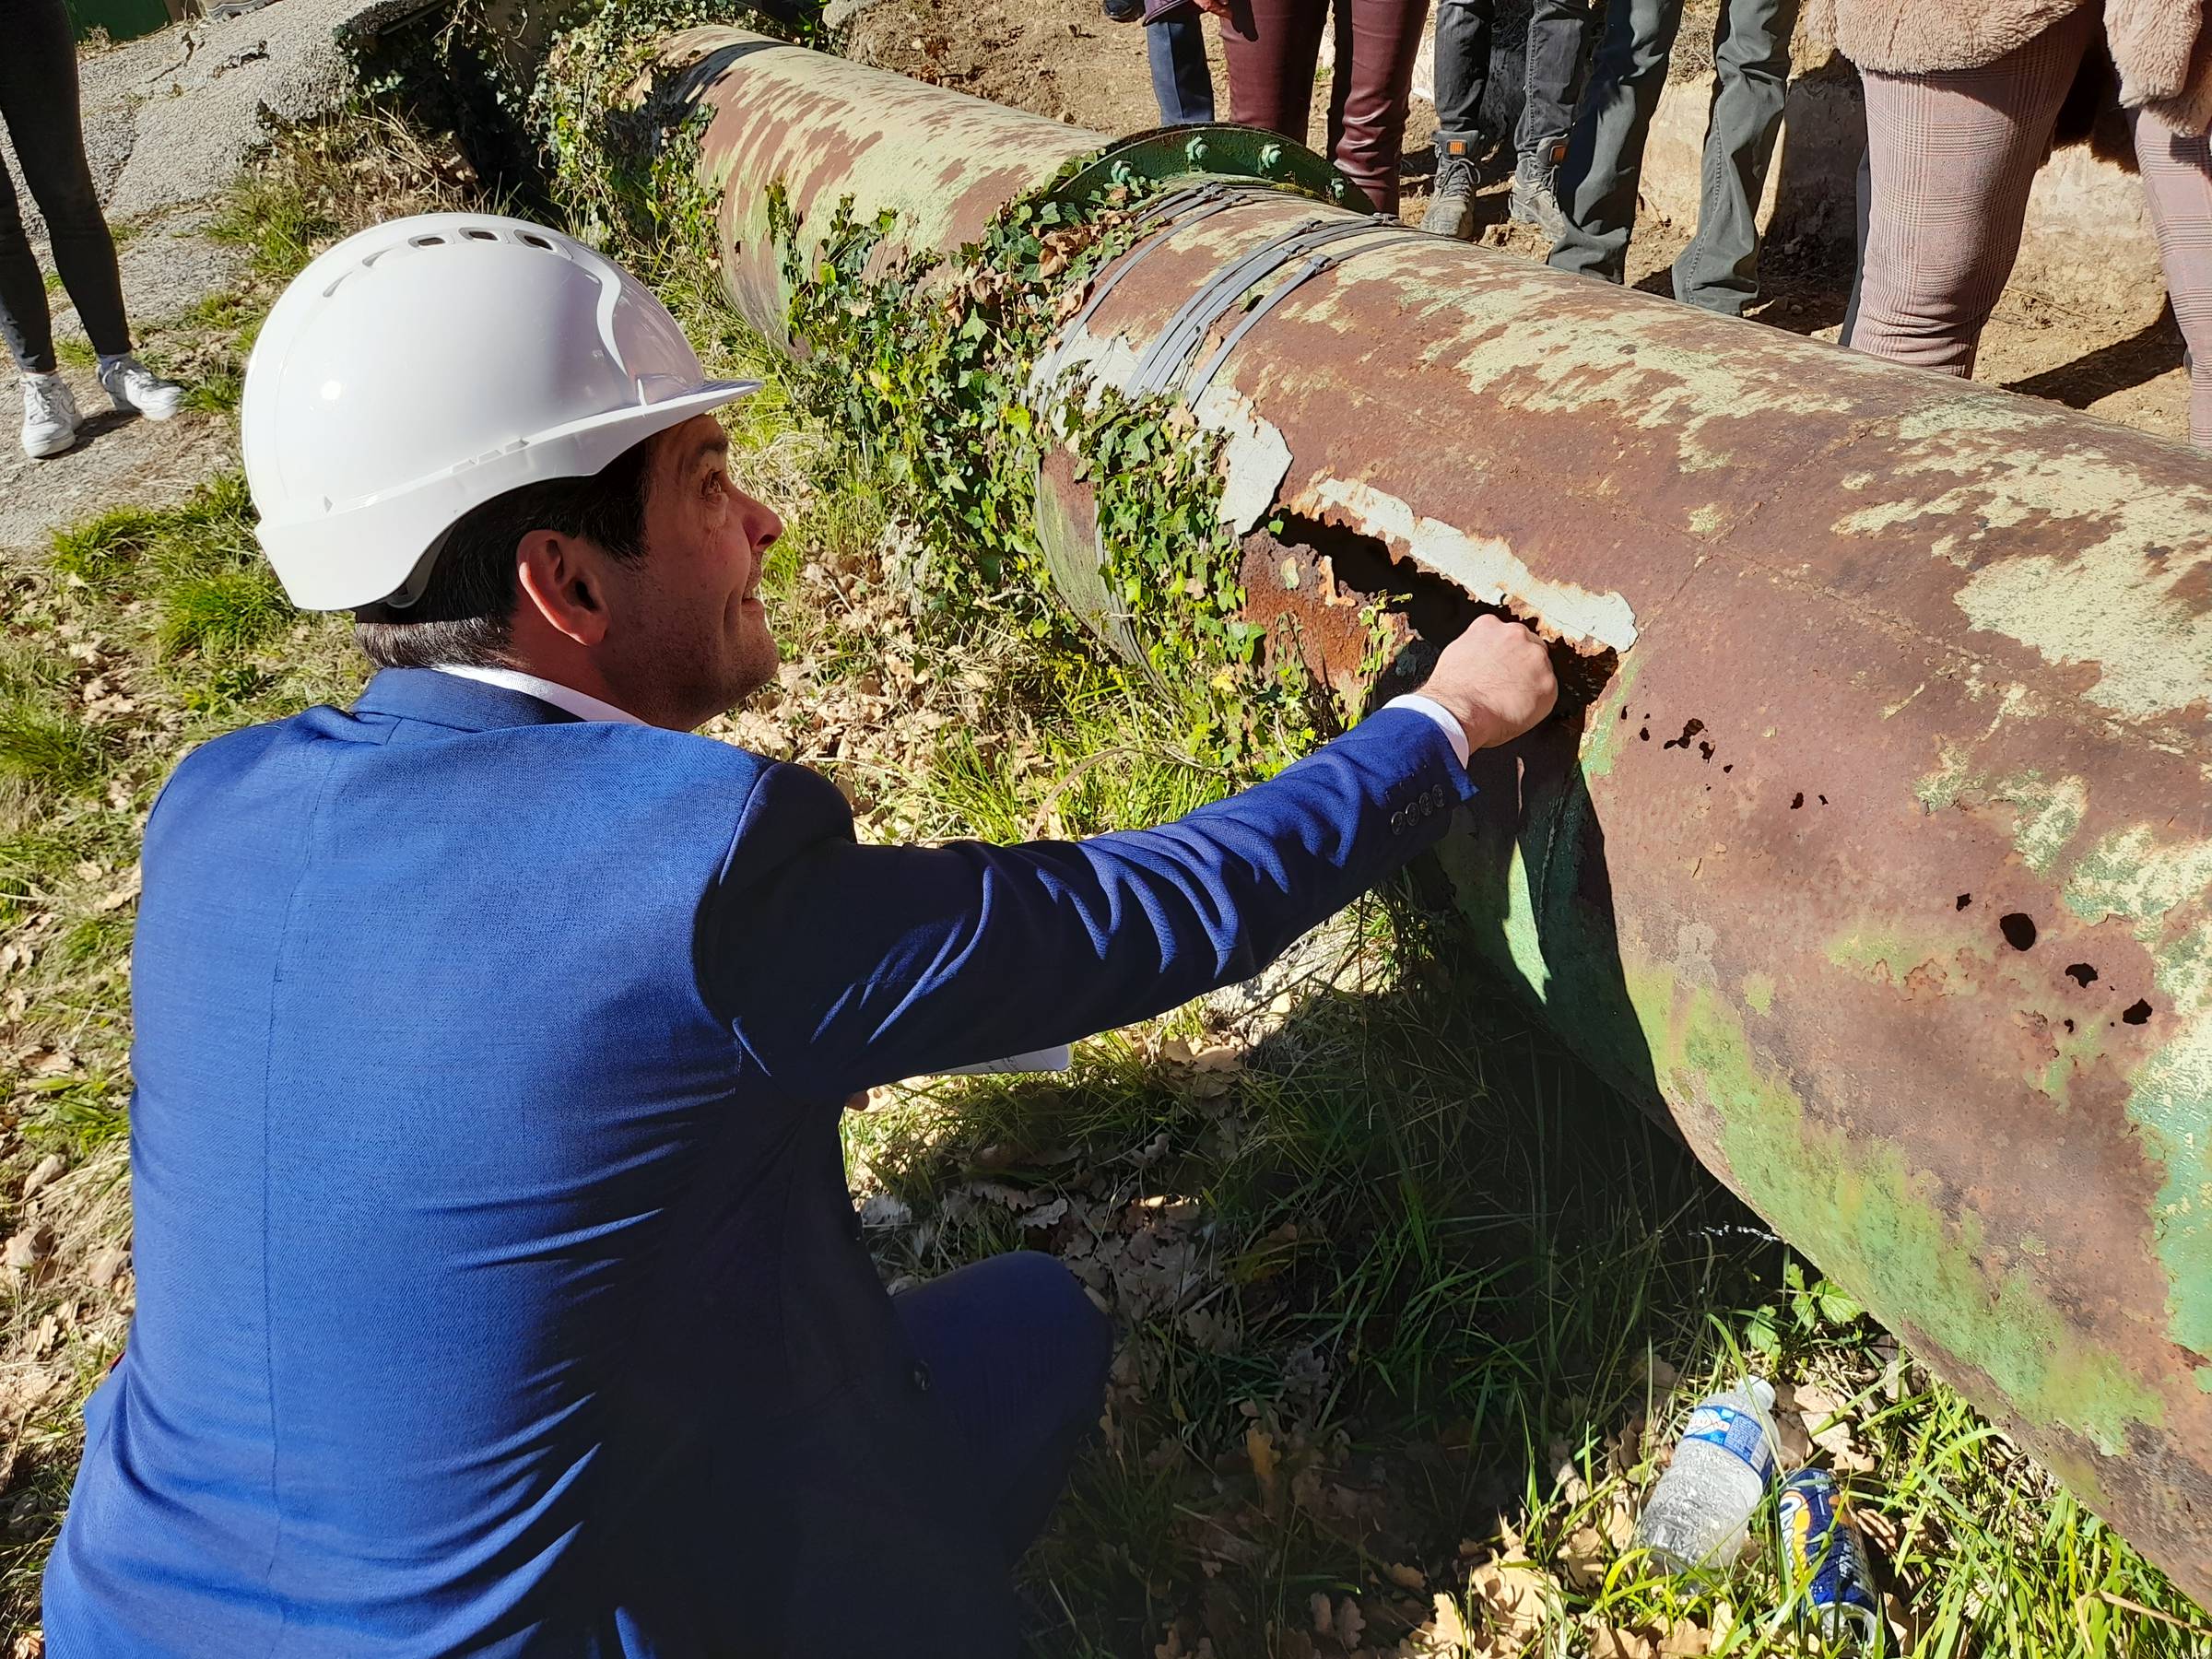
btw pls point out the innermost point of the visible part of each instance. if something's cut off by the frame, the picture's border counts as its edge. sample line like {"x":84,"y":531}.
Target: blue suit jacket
{"x":498,"y":1290}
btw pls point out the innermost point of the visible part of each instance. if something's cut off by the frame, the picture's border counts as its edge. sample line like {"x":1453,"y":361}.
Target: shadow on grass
{"x":1379,"y":1279}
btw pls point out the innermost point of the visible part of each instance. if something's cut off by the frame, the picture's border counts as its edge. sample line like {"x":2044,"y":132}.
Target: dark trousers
{"x":1555,"y":64}
{"x":1598,"y":181}
{"x":39,"y":101}
{"x":1274,"y":47}
{"x":1017,"y":1354}
{"x":1181,"y":82}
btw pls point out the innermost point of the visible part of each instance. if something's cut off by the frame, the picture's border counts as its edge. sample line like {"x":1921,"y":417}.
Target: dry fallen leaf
{"x":1510,"y":1591}
{"x":1880,"y":1530}
{"x":105,"y":1265}
{"x":1620,"y":1525}
{"x":1618,"y":1641}
{"x":1259,"y":1447}
{"x":1584,"y":1556}
{"x":1350,"y":1622}
{"x":49,"y":1167}
{"x":1447,"y":1631}
{"x":1406,"y":1577}
{"x":28,"y":1248}
{"x":1322,"y":1615}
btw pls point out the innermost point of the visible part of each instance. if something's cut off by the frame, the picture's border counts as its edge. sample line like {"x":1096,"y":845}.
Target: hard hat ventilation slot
{"x":475,"y":235}
{"x":426,"y":241}
{"x":536,"y":241}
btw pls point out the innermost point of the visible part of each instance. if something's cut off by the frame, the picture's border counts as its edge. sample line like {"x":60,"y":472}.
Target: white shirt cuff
{"x":1442,"y":715}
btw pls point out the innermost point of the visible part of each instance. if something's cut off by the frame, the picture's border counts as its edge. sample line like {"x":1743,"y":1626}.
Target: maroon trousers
{"x":1274,"y":47}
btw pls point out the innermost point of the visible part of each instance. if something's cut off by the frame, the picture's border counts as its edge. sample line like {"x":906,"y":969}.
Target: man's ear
{"x":561,"y":579}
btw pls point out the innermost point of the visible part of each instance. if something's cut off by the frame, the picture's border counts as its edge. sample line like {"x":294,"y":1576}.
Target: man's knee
{"x":1063,"y":1318}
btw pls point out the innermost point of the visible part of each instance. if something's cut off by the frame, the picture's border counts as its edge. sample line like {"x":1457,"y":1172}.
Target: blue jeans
{"x":1180,"y":80}
{"x":1598,"y":181}
{"x":1017,"y":1354}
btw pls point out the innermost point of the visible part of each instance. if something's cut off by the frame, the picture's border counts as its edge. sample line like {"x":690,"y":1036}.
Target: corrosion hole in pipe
{"x":2081,"y":973}
{"x":2136,"y":1013}
{"x":1690,"y":730}
{"x":2019,"y":929}
{"x":1423,"y":611}
{"x":1965,"y":899}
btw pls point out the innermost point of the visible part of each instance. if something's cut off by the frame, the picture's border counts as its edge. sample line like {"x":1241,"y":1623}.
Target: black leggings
{"x":38,"y":100}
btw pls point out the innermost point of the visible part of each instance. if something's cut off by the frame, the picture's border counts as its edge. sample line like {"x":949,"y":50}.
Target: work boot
{"x":1452,"y":202}
{"x":50,"y":417}
{"x":1123,"y":11}
{"x":132,"y":385}
{"x":1535,"y":198}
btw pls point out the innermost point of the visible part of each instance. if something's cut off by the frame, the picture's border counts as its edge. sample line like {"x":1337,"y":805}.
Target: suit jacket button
{"x":921,"y":1378}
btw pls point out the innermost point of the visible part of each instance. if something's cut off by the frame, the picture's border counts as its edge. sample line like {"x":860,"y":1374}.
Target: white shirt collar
{"x":565,"y":698}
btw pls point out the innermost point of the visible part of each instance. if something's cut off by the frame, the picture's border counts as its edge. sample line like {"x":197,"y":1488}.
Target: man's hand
{"x":1496,"y":679}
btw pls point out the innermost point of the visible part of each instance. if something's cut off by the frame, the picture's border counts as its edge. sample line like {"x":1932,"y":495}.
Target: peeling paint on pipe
{"x":1908,"y":724}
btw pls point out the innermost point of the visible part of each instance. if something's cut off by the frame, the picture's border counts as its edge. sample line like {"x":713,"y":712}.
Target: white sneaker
{"x":134,"y":386}
{"x":50,"y":417}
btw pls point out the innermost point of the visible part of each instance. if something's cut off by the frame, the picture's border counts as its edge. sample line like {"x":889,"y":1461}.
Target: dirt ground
{"x":1064,"y":59}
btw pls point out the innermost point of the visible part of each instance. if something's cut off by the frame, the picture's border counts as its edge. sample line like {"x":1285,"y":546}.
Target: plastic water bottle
{"x":1702,"y":1508}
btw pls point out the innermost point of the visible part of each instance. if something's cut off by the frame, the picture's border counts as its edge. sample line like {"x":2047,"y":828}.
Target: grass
{"x":1462,"y":1294}
{"x":1412,"y":1305}
{"x":144,"y":632}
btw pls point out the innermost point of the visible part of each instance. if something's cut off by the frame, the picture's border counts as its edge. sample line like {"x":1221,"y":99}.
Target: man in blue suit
{"x":499,"y":1288}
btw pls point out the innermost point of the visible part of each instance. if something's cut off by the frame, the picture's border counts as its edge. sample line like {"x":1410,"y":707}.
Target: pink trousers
{"x":1274,"y":48}
{"x":1952,"y":157}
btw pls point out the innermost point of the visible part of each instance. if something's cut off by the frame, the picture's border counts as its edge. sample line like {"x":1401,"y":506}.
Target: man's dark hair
{"x":465,"y":615}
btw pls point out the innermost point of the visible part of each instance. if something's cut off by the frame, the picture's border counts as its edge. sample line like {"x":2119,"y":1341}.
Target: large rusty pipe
{"x":1883,"y":858}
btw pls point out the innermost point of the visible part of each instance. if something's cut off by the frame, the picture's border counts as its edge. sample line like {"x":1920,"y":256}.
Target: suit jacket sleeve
{"x":841,"y":966}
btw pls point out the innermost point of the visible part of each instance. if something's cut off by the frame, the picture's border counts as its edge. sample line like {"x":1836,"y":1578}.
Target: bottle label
{"x":1736,"y":1433}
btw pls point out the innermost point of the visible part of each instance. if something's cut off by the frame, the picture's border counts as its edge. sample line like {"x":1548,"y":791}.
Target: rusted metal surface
{"x":1883,"y":857}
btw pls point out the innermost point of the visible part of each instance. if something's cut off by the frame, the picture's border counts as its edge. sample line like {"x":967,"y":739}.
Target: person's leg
{"x":1378,"y":41}
{"x":1598,"y":180}
{"x":1554,"y":65}
{"x":1719,"y":270}
{"x":1272,"y":47}
{"x":1555,"y":28}
{"x":1463,"y":70}
{"x":23,"y":315}
{"x":2177,"y":177}
{"x":38,"y":100}
{"x":1019,"y":1355}
{"x":1950,"y":161}
{"x":1180,"y":80}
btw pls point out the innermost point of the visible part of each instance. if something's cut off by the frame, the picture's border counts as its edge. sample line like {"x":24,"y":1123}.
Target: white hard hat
{"x":423,"y":367}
